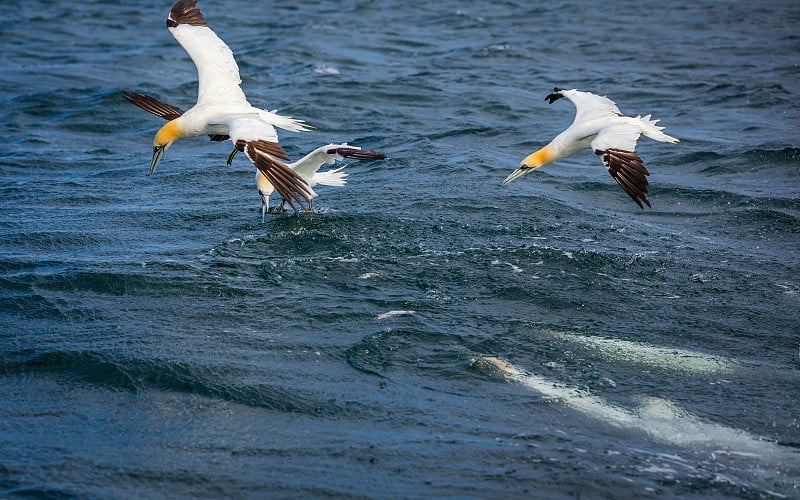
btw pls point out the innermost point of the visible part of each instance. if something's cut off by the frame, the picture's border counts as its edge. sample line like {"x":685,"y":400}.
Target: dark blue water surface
{"x":159,"y":340}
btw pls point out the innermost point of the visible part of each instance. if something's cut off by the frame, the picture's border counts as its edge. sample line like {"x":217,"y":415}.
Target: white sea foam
{"x":323,"y":69}
{"x":392,"y":314}
{"x":656,"y":417}
{"x":668,"y":358}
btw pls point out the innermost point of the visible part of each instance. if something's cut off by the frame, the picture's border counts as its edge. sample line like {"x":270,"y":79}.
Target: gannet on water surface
{"x":308,"y":168}
{"x":222,"y":110}
{"x":600,"y":125}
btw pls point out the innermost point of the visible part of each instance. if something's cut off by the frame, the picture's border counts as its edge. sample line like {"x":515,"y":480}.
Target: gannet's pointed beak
{"x":158,"y":153}
{"x":531,"y":162}
{"x":519,"y":172}
{"x":522,"y":170}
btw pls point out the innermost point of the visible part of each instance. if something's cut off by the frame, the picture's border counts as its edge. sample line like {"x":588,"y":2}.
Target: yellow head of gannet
{"x":165,"y":136}
{"x":600,"y":125}
{"x":532,"y":162}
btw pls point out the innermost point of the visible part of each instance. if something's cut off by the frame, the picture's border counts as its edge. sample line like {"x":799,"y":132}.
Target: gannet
{"x":308,"y":168}
{"x":600,"y":125}
{"x":222,"y":110}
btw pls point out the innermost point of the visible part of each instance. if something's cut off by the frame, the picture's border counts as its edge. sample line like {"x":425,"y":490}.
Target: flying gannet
{"x":600,"y":125}
{"x":222,"y":110}
{"x":307,"y":167}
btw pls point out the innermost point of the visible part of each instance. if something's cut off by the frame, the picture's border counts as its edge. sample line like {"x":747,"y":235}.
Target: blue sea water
{"x":159,"y":340}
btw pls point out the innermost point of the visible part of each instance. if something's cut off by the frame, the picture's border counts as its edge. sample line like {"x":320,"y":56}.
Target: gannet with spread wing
{"x":600,"y":125}
{"x":222,"y":110}
{"x":307,"y":167}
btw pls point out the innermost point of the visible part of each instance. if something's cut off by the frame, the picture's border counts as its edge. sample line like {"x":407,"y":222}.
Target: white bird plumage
{"x":308,"y":168}
{"x":222,"y":110}
{"x":600,"y":125}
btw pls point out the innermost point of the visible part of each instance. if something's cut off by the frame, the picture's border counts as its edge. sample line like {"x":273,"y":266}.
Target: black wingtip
{"x":357,"y":154}
{"x":641,"y":199}
{"x":627,"y":169}
{"x":556,"y":95}
{"x":185,"y":12}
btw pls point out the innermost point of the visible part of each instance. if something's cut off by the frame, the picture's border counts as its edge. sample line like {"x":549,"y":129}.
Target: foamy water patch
{"x":658,"y":418}
{"x":395,"y":313}
{"x":324,"y":69}
{"x":667,"y":358}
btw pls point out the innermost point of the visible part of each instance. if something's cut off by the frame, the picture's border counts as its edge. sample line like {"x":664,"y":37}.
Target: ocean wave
{"x":413,"y":344}
{"x":119,"y":372}
{"x":28,"y":305}
{"x":773,"y":156}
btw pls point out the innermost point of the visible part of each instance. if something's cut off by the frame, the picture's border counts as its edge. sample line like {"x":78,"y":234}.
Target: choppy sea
{"x":427,"y":332}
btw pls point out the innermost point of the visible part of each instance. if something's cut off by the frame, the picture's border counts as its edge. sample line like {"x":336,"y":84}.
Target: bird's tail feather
{"x":651,"y":130}
{"x":285,"y":122}
{"x":333,"y":177}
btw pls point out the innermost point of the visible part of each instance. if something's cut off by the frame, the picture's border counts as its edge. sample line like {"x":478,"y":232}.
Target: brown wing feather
{"x":357,"y":154}
{"x":270,"y":148}
{"x":185,"y":12}
{"x":267,"y":157}
{"x":158,"y":108}
{"x":627,"y":169}
{"x":162,"y":109}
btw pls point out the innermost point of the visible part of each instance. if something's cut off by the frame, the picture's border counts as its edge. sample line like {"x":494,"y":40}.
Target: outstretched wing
{"x":311,"y":163}
{"x":627,"y":169}
{"x":590,"y":106}
{"x":358,"y":153}
{"x":158,"y":108}
{"x":622,"y":136}
{"x":259,"y":141}
{"x":615,"y":145}
{"x":217,"y":71}
{"x":162,"y":109}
